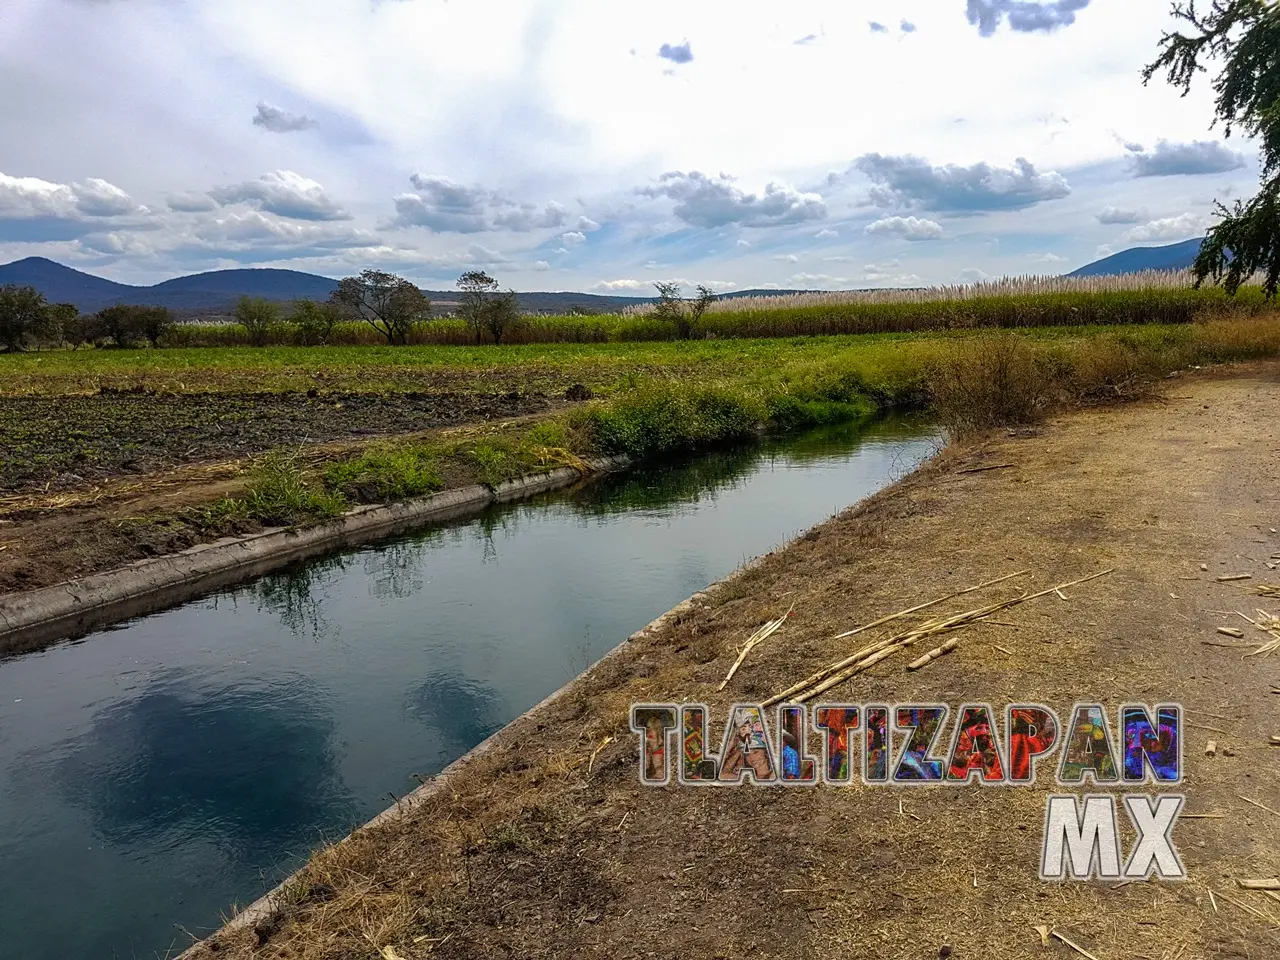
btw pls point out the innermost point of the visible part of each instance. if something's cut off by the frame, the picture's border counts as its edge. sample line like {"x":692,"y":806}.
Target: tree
{"x":1244,"y":36}
{"x":674,"y":308}
{"x":126,"y":324}
{"x":24,"y":314}
{"x":484,"y":308}
{"x":389,"y":304}
{"x":65,"y":322}
{"x":315,"y":321}
{"x":257,"y":315}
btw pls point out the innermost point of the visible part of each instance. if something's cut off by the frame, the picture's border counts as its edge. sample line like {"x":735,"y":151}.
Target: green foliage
{"x":386,"y":472}
{"x":682,"y":314}
{"x":257,"y":315}
{"x":666,"y":417}
{"x":314,"y":322}
{"x":486,"y":311}
{"x":66,"y":324}
{"x":389,"y":304}
{"x":128,"y":324}
{"x":24,"y":315}
{"x":1244,"y":35}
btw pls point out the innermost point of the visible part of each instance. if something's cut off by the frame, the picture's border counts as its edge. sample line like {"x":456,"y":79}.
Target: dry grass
{"x":1022,"y":286}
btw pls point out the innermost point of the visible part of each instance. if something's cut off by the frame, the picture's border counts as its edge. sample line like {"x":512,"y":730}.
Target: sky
{"x":601,"y":146}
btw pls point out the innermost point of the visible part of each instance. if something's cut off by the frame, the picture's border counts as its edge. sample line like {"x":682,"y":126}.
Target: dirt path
{"x":546,"y":846}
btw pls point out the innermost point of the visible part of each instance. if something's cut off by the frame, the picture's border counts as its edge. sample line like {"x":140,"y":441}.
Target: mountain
{"x":1175,"y":256}
{"x":216,"y":292}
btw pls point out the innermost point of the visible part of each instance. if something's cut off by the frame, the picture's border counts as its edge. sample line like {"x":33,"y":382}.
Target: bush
{"x":257,"y":315}
{"x":987,"y":381}
{"x":313,"y":322}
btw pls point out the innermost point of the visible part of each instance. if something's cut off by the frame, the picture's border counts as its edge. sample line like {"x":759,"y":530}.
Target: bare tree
{"x":389,"y":304}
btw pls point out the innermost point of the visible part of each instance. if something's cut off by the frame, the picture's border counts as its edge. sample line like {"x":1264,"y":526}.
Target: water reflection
{"x":252,"y":769}
{"x":183,"y":761}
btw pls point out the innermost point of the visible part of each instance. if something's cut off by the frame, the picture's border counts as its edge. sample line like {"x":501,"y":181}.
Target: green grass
{"x":661,"y":398}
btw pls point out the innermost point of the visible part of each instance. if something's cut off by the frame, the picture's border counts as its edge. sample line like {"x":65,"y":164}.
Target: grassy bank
{"x":973,"y":383}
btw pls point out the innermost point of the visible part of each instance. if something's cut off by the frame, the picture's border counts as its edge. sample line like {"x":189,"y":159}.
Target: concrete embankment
{"x":36,"y":618}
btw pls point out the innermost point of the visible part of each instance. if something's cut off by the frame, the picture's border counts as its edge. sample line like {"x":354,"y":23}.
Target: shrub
{"x":987,"y":381}
{"x":257,"y":315}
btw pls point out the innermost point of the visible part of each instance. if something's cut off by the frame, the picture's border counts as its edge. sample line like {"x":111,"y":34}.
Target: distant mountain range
{"x":214,"y":293}
{"x":217,"y":291}
{"x":1175,"y":256}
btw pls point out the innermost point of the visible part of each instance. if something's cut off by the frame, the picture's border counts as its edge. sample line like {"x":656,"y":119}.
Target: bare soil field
{"x":71,"y":441}
{"x":546,"y":845}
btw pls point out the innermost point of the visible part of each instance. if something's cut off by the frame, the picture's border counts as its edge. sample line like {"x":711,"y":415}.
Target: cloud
{"x":1025,"y":16}
{"x":573,"y":237}
{"x":587,"y":224}
{"x":284,"y":193}
{"x":719,"y":285}
{"x":442,"y":205}
{"x":910,"y":181}
{"x":53,"y":211}
{"x":972,"y":275}
{"x":877,"y":27}
{"x":1199,"y":156}
{"x":743,"y":243}
{"x":253,"y":229}
{"x":277,"y":120}
{"x":541,"y":265}
{"x":679,"y":53}
{"x":1170,"y":228}
{"x":825,"y":233}
{"x":908,"y":228}
{"x":1121,"y":215}
{"x":907,"y":26}
{"x":787,"y":258}
{"x":615,"y":285}
{"x":190,"y":203}
{"x":1046,"y":258}
{"x":704,"y":201}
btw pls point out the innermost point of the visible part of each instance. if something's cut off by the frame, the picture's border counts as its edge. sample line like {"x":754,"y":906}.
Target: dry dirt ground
{"x":547,"y":846}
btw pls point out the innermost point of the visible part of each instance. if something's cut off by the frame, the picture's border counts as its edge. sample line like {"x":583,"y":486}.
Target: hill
{"x":216,"y":291}
{"x":1175,"y":256}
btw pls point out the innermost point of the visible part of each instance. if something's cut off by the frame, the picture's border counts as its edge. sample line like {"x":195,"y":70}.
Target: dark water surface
{"x":153,"y":774}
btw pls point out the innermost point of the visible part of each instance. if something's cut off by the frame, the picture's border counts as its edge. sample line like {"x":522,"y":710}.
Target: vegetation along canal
{"x":153,"y":774}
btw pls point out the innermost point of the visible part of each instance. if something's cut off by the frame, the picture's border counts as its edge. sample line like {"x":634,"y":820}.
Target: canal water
{"x":153,"y":774}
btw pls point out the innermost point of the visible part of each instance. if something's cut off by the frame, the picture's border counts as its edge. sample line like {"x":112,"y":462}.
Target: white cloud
{"x":284,"y":193}
{"x":787,"y":258}
{"x":613,"y":286}
{"x":1182,"y":227}
{"x":541,"y":265}
{"x":1046,"y":258}
{"x":573,"y":237}
{"x":1122,"y":215}
{"x":704,"y":201}
{"x":276,"y":120}
{"x":23,"y":198}
{"x":908,"y":228}
{"x":825,"y":233}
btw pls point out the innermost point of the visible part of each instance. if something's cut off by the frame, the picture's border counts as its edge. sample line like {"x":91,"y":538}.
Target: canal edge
{"x":33,"y":619}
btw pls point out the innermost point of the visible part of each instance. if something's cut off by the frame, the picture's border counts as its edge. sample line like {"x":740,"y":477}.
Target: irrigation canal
{"x":154,"y":773}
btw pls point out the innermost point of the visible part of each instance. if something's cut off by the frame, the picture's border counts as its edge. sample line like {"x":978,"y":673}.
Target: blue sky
{"x":574,"y":144}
